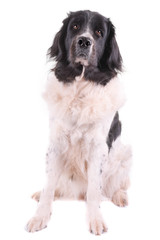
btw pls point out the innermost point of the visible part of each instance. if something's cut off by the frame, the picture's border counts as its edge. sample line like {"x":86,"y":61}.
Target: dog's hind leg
{"x":115,"y":176}
{"x":36,"y":196}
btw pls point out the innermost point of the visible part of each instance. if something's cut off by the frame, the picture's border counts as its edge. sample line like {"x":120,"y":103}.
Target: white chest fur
{"x":80,"y":117}
{"x":82,"y":102}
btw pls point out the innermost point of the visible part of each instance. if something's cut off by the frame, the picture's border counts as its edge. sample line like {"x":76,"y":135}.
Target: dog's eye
{"x":99,"y":33}
{"x":76,"y":27}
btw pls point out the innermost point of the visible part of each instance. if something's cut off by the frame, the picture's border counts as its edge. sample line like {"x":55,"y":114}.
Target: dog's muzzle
{"x":83,"y":50}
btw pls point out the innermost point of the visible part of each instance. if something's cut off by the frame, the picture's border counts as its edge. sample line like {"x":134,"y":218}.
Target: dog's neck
{"x":79,"y":78}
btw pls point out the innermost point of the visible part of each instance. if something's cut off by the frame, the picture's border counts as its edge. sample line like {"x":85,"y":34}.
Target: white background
{"x":27,"y":29}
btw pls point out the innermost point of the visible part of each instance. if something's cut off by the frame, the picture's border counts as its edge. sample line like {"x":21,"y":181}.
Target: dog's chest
{"x":80,"y":112}
{"x":79,"y":102}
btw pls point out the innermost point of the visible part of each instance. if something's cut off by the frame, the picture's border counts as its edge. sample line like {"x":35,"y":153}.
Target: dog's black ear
{"x":111,"y":60}
{"x":58,"y":50}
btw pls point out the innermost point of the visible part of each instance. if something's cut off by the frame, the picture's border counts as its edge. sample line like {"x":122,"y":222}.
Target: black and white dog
{"x":85,"y":159}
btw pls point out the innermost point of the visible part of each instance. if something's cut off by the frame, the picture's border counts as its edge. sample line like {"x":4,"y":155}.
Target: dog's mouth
{"x":82,"y":55}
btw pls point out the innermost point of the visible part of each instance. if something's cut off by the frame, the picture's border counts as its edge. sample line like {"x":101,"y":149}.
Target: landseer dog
{"x":85,"y":159}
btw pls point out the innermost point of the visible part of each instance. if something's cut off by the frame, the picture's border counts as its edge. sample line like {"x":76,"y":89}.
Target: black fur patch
{"x":114,"y":131}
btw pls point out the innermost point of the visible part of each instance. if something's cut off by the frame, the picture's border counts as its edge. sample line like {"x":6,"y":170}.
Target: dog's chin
{"x":82,"y":60}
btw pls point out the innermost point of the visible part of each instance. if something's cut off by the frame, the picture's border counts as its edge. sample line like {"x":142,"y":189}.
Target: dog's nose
{"x":84,"y":42}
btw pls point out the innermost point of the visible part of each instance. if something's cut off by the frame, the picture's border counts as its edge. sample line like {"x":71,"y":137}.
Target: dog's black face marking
{"x":86,"y":39}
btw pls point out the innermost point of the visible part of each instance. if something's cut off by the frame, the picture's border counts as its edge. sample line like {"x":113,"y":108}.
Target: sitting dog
{"x":85,"y":159}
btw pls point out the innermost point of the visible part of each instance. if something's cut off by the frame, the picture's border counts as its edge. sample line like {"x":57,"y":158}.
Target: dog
{"x":85,"y":159}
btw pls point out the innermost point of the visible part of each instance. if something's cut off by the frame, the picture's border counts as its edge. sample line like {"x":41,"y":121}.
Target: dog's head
{"x":86,"y":39}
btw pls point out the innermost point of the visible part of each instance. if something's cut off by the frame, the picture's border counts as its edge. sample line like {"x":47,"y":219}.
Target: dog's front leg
{"x":96,"y":223}
{"x":43,"y":212}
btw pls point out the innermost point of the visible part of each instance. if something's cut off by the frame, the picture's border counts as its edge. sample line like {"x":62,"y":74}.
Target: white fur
{"x":80,"y":118}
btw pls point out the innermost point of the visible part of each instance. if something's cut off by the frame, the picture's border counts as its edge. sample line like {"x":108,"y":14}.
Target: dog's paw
{"x":97,"y":226}
{"x":37,"y":223}
{"x":120,"y":198}
{"x":36,"y":196}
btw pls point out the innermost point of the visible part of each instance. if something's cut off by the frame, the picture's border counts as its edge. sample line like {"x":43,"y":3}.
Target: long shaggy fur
{"x":85,"y":159}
